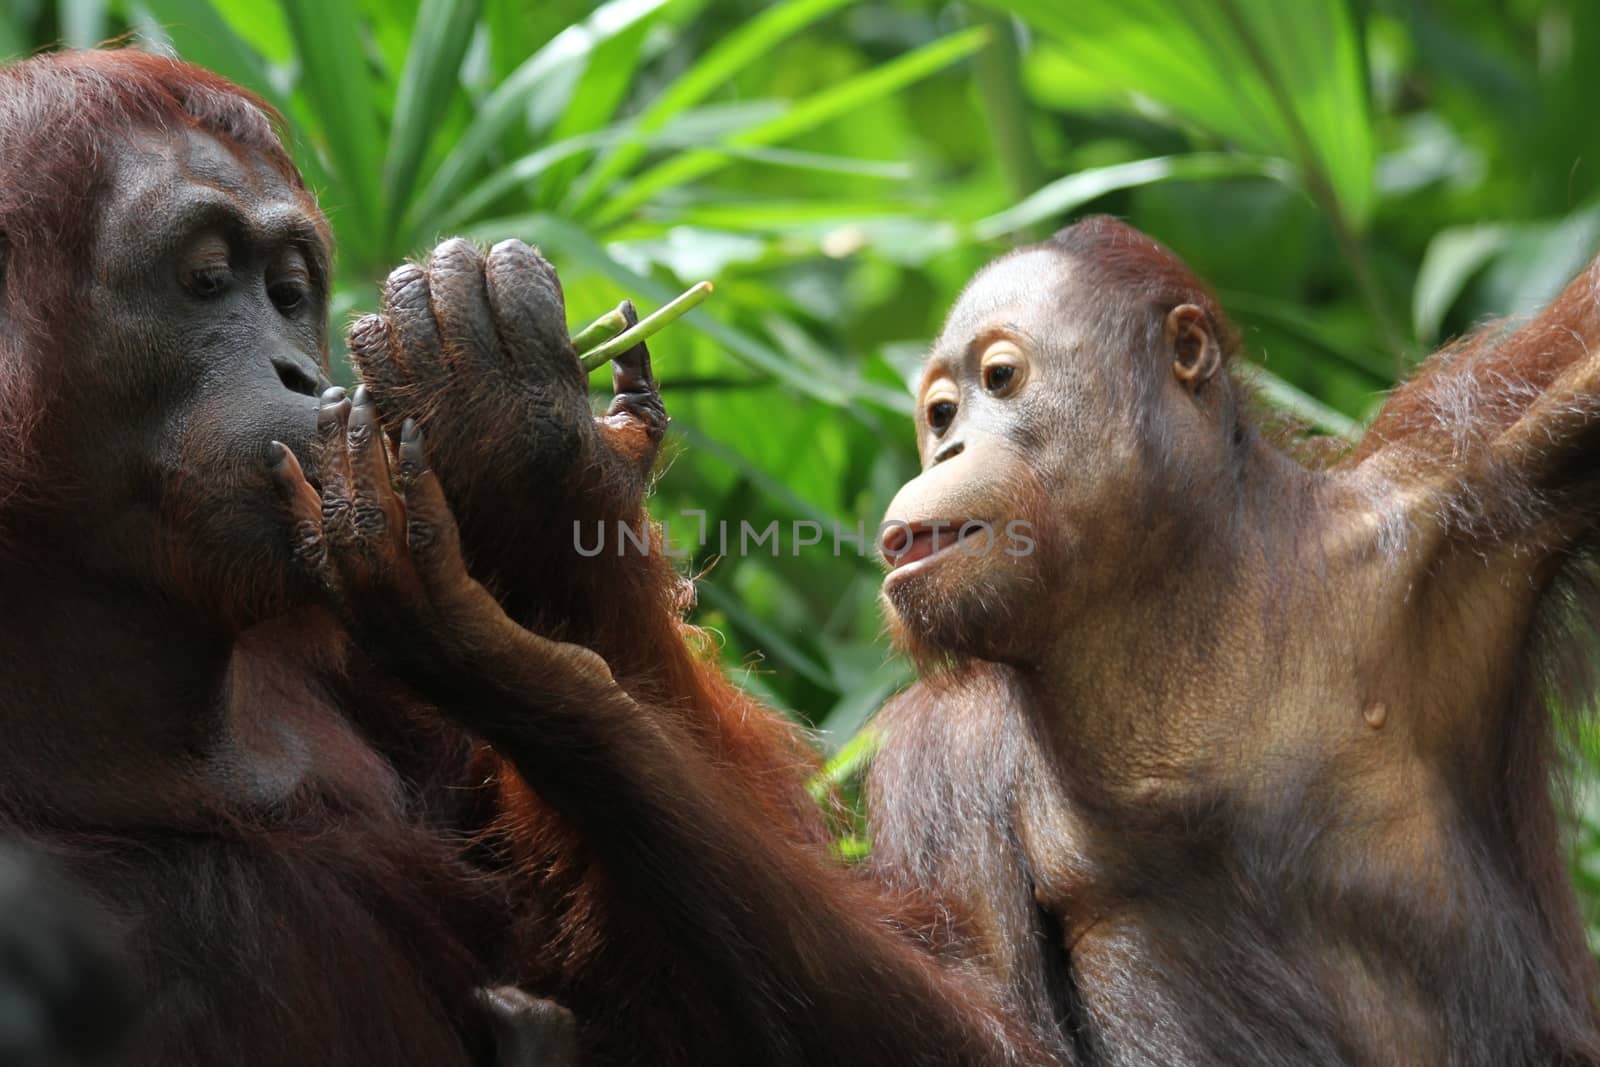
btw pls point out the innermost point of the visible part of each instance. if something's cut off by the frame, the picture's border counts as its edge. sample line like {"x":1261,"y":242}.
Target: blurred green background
{"x":1360,"y":181}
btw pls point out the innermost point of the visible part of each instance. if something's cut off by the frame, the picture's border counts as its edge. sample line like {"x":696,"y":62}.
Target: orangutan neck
{"x":1159,"y":686}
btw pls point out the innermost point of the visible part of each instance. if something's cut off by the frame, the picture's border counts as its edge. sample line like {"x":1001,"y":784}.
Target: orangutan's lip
{"x":912,"y":546}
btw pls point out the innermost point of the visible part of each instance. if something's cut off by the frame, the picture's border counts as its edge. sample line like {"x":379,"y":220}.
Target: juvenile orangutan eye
{"x":940,"y":398}
{"x":1004,"y":367}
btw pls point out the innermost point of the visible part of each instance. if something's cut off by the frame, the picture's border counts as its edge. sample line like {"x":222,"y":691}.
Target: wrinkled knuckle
{"x":646,"y":404}
{"x":407,"y":472}
{"x":359,"y":436}
{"x":370,"y":333}
{"x":368,"y":520}
{"x":513,"y":251}
{"x":523,"y":272}
{"x":407,"y":284}
{"x":307,"y":544}
{"x":423,"y":535}
{"x":336,"y":528}
{"x":456,"y":254}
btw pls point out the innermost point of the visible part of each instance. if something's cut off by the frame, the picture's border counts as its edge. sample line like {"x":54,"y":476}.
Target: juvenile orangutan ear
{"x":1195,"y":352}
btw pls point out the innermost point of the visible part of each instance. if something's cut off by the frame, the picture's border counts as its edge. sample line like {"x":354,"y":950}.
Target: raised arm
{"x":804,"y":963}
{"x":473,"y":346}
{"x":1501,"y":430}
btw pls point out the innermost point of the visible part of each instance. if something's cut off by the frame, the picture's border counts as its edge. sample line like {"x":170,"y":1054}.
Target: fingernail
{"x":277,"y":453}
{"x":408,"y":430}
{"x":329,"y":415}
{"x":333,"y":394}
{"x":362,"y":396}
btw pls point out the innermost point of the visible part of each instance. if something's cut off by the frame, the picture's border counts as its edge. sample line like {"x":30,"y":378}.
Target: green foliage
{"x":1360,"y":180}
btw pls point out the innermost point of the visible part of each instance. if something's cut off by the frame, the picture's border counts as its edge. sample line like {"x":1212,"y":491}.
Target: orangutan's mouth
{"x":913,"y":544}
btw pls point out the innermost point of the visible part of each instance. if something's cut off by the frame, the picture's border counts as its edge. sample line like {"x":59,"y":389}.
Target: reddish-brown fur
{"x":55,"y":116}
{"x":352,"y":926}
{"x":351,"y":922}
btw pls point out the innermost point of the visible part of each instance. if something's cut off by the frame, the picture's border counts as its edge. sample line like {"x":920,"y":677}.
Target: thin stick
{"x":601,"y":354}
{"x":602,"y":329}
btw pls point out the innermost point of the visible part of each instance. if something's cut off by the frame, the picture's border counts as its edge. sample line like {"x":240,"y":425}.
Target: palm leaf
{"x":339,"y":91}
{"x":439,"y":41}
{"x":806,"y":115}
{"x":732,"y":54}
{"x":509,"y":100}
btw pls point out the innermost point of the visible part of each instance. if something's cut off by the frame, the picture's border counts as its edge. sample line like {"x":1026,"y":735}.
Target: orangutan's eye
{"x":1003,"y":368}
{"x":208,"y":284}
{"x":289,"y":282}
{"x":206,"y":270}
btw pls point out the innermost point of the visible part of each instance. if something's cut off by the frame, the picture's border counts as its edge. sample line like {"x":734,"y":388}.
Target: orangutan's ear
{"x":1196,"y":355}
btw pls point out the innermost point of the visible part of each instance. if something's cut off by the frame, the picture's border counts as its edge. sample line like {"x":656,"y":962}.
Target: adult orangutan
{"x":247,"y":722}
{"x":1249,"y":762}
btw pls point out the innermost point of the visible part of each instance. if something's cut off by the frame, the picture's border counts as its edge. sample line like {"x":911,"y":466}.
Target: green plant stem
{"x":663,"y":316}
{"x":600,"y":330}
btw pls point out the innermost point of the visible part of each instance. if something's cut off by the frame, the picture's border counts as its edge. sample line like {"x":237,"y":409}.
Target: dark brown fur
{"x":349,"y":917}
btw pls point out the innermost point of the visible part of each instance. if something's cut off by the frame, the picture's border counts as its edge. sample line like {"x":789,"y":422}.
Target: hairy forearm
{"x":805,"y":955}
{"x":802,"y":964}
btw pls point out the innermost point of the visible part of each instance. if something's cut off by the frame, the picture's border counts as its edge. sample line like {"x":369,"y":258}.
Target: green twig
{"x":850,"y":762}
{"x":601,"y":354}
{"x":600,"y":330}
